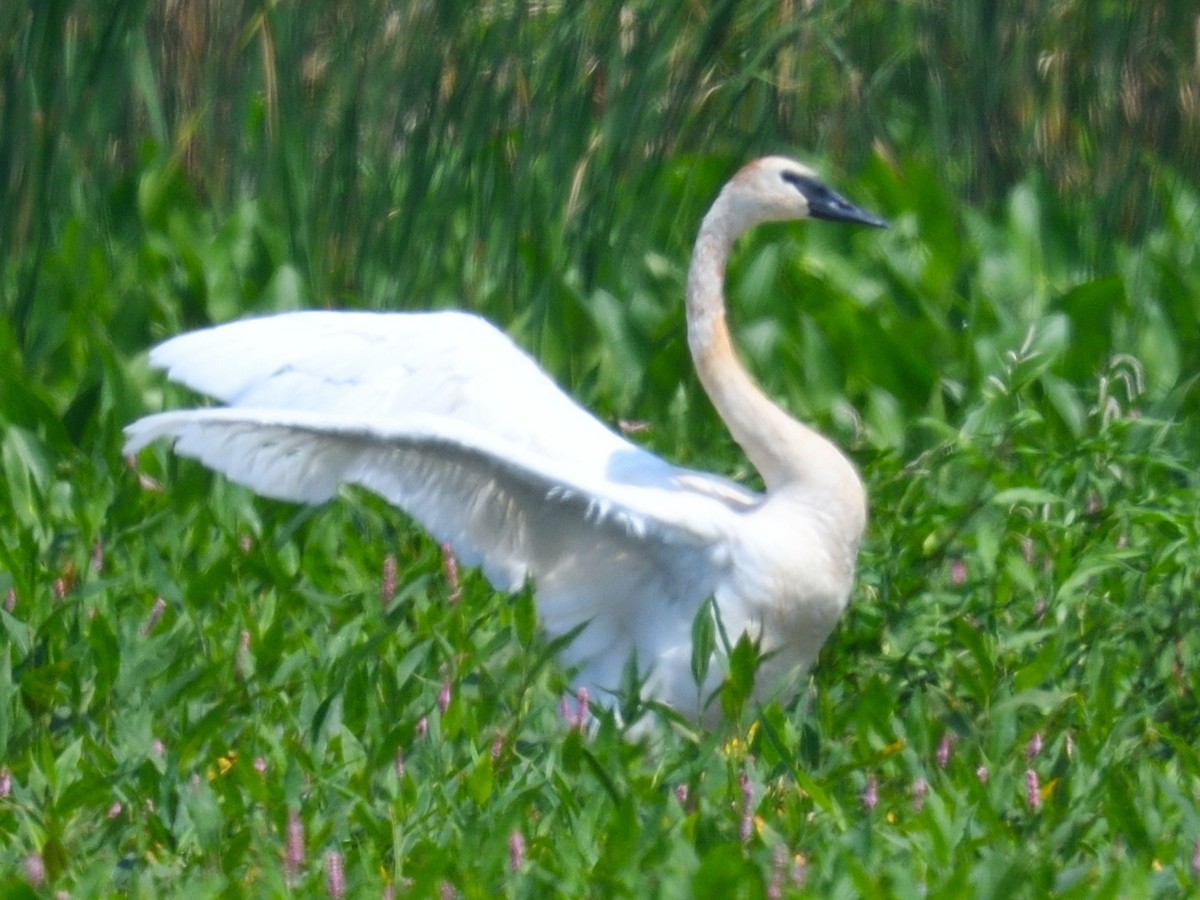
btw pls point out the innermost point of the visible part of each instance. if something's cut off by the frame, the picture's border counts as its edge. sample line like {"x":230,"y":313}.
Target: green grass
{"x":190,"y":676}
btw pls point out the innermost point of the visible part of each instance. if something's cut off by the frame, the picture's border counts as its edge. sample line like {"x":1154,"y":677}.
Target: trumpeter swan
{"x":442,"y":415}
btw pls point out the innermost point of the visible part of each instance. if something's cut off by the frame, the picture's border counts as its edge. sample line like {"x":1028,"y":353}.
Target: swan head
{"x":778,"y":189}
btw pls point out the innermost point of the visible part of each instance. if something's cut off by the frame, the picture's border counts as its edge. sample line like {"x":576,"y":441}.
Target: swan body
{"x":443,"y":416}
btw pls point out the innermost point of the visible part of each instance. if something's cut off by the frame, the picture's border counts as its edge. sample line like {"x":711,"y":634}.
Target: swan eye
{"x":806,"y":185}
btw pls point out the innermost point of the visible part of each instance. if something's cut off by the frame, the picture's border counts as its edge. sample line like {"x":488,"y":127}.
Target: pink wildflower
{"x":799,"y":870}
{"x":516,"y":851}
{"x":1035,"y":746}
{"x":919,"y":789}
{"x":35,"y":870}
{"x":335,"y":875}
{"x":943,"y":750}
{"x":779,"y":859}
{"x":1033,"y":795}
{"x":870,"y":795}
{"x":575,"y":715}
{"x":746,"y":825}
{"x":294,"y":862}
{"x":156,"y":612}
{"x":450,"y":570}
{"x":387,"y":585}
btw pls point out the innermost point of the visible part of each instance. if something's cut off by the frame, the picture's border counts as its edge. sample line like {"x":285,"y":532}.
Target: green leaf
{"x":739,"y":681}
{"x":1044,"y":701}
{"x":481,"y":779}
{"x":704,"y":641}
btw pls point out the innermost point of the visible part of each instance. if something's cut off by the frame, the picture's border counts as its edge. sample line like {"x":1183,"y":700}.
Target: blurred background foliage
{"x":1012,"y":364}
{"x":174,"y":163}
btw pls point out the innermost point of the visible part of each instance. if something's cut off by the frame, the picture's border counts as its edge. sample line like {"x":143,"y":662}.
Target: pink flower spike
{"x":1196,"y":858}
{"x":982,"y":774}
{"x":443,"y":697}
{"x":497,"y":745}
{"x":799,"y":870}
{"x":422,"y":727}
{"x":5,"y":782}
{"x":156,"y":612}
{"x":581,"y":709}
{"x":1033,"y":795}
{"x":919,"y":789}
{"x":870,"y":795}
{"x":387,"y":586}
{"x":1035,"y":746}
{"x":681,"y":793}
{"x":958,"y":573}
{"x":35,"y":870}
{"x":114,"y":811}
{"x":260,"y":765}
{"x":746,"y":825}
{"x":779,"y":860}
{"x":450,"y":570}
{"x":943,"y":750}
{"x":516,"y":851}
{"x":294,"y":861}
{"x":335,"y":875}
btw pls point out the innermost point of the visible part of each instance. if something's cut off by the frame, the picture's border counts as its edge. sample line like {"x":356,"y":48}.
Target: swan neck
{"x":784,"y":451}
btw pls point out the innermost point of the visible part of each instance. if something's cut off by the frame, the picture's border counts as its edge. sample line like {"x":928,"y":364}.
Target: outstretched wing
{"x":384,"y":365}
{"x":495,"y":460}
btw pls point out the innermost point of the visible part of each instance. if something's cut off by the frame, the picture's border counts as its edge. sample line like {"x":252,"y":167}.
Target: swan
{"x":445,"y":417}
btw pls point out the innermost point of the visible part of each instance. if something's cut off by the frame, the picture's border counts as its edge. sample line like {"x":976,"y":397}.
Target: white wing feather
{"x":388,"y":364}
{"x":443,"y":416}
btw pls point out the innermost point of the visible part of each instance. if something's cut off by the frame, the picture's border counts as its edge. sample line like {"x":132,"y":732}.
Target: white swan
{"x":442,"y":415}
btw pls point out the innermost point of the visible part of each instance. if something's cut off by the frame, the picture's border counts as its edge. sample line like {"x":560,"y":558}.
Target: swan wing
{"x":385,"y":365}
{"x":630,"y":555}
